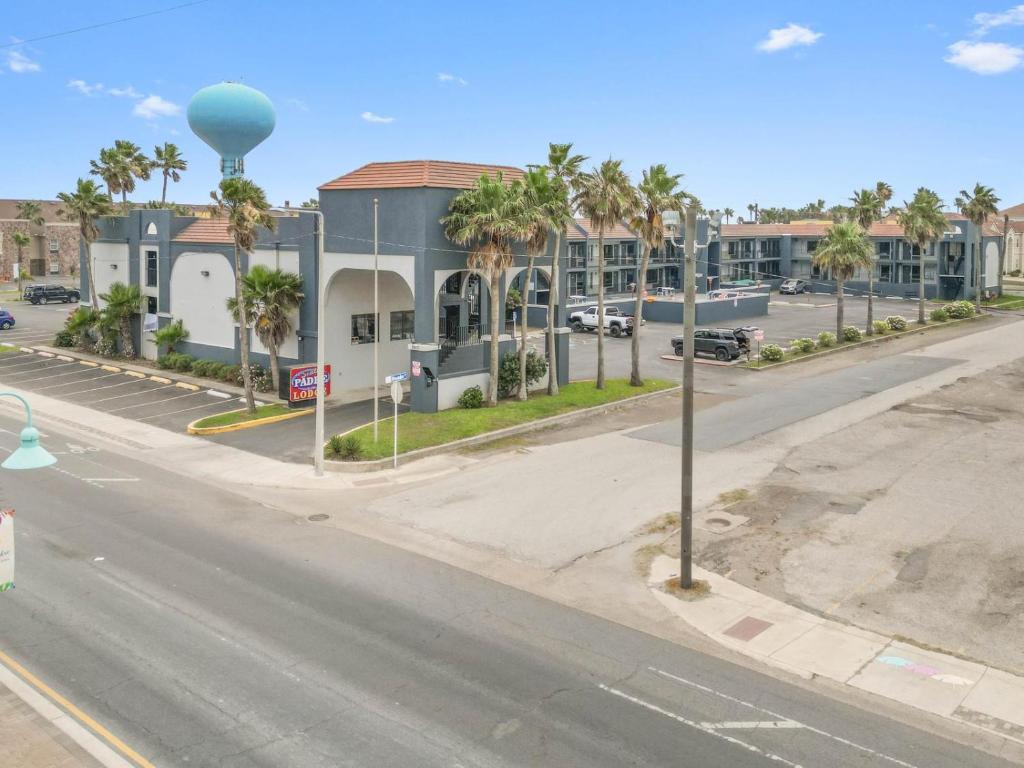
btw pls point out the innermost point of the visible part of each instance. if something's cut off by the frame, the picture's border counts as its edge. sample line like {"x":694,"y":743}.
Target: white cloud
{"x":447,"y":77}
{"x":299,"y":104}
{"x":1014,"y":17}
{"x":154,"y":106}
{"x":85,"y":88}
{"x":788,"y":37}
{"x":985,"y":58}
{"x":370,"y":117}
{"x":20,"y":63}
{"x":127,"y":92}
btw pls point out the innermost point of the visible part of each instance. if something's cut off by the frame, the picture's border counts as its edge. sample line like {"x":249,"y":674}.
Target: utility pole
{"x":376,"y":332}
{"x":321,"y":340}
{"x":689,"y":326}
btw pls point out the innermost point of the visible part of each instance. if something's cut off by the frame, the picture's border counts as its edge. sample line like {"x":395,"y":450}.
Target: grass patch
{"x":237,"y":417}
{"x":1006,"y":301}
{"x":424,"y":430}
{"x":699,"y":589}
{"x":644,"y":557}
{"x":661,"y":524}
{"x":734,"y":496}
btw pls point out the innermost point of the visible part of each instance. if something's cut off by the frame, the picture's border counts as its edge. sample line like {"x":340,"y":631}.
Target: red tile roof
{"x":586,"y":229}
{"x":206,"y":231}
{"x":1014,"y":211}
{"x":419,"y":173}
{"x":885,"y":228}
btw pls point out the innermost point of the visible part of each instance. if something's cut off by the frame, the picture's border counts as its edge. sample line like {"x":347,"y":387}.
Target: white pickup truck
{"x":616,"y":323}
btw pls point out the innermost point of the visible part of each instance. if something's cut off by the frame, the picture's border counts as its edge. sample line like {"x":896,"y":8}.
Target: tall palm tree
{"x":84,"y":206}
{"x":564,"y":170}
{"x":884,"y":193}
{"x":657,"y":192}
{"x":606,"y":197}
{"x":270,"y":297}
{"x":866,"y":210}
{"x":977,"y":206}
{"x":843,"y":250}
{"x":122,"y":304}
{"x":923,"y":222}
{"x":31,"y":211}
{"x":119,"y":166}
{"x":111,"y":168}
{"x":750,"y":209}
{"x":728,"y":213}
{"x":168,"y":160}
{"x":487,"y":219}
{"x":21,"y":241}
{"x":245,"y":206}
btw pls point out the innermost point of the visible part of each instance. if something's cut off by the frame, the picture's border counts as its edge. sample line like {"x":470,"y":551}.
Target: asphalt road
{"x":208,"y":630}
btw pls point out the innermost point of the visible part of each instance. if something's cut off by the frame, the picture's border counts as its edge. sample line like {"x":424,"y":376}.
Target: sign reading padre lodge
{"x":302,"y":383}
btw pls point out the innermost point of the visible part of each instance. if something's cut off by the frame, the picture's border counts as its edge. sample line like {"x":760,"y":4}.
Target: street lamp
{"x":30,"y":454}
{"x":671,"y":220}
{"x":321,"y":341}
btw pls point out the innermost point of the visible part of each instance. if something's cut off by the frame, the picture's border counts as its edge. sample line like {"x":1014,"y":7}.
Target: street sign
{"x":302,"y":382}
{"x":6,"y":549}
{"x":759,"y":335}
{"x":396,"y":377}
{"x":396,"y":391}
{"x":417,"y":367}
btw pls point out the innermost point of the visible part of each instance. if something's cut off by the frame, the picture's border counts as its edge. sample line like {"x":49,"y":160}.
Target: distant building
{"x":1014,"y":261}
{"x":54,"y":247}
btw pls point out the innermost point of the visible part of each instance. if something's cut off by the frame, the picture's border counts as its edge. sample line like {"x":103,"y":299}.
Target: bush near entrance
{"x":772,"y":353}
{"x":958,"y":310}
{"x":896,"y":323}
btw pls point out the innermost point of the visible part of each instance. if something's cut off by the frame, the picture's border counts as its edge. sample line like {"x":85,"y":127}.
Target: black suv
{"x":44,"y":294}
{"x":721,"y":343}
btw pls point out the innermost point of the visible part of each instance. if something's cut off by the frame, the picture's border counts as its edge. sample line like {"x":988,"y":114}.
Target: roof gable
{"x":411,"y":174}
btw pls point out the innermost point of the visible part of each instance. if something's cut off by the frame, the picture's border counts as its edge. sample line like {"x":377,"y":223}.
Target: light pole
{"x":30,"y":454}
{"x":321,"y":321}
{"x":376,"y":331}
{"x":671,"y":222}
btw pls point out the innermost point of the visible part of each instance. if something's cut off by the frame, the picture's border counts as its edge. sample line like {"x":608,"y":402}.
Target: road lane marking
{"x":127,"y":394}
{"x":157,"y":402}
{"x":34,"y":685}
{"x":174,"y":413}
{"x":753,"y":725}
{"x":811,"y":728}
{"x":697,"y":726}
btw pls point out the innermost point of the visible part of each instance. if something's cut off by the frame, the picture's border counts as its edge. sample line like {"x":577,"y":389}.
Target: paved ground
{"x":35,"y":324}
{"x":206,"y":629}
{"x":30,"y":741}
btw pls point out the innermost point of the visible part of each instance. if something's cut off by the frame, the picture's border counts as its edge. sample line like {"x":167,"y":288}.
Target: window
{"x":151,"y":305}
{"x":577,"y":254}
{"x":453,"y":283}
{"x":812,"y":246}
{"x":733,"y":249}
{"x":54,"y":245}
{"x":885,"y":250}
{"x":609,"y":280}
{"x":401,"y":324}
{"x":55,"y":267}
{"x":363,"y":328}
{"x":151,"y":269}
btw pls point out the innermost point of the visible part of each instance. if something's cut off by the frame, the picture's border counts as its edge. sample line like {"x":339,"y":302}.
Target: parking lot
{"x":35,"y":324}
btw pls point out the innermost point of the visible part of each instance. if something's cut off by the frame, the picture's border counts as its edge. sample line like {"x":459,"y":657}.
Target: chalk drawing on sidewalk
{"x":923,"y":670}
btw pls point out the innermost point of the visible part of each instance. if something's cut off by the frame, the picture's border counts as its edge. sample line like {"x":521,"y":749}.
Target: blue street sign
{"x":396,"y":377}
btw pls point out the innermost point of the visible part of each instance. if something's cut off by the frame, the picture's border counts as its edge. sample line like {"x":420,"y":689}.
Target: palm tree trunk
{"x":552,"y":306}
{"x":978,"y":268}
{"x":920,"y":288}
{"x":600,"y":308}
{"x":495,"y":290}
{"x":89,"y":270}
{"x":638,"y":316}
{"x":127,"y":347}
{"x":869,"y":329}
{"x":243,"y":336}
{"x":163,"y":195}
{"x":275,"y":374}
{"x":18,"y":277}
{"x":839,"y":309}
{"x":522,"y":331}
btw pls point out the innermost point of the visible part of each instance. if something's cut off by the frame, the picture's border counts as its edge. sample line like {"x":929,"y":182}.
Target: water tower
{"x":232,"y":118}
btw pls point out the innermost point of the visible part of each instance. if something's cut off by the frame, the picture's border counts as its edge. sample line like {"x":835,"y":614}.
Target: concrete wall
{"x":200,"y":301}
{"x":110,"y":265}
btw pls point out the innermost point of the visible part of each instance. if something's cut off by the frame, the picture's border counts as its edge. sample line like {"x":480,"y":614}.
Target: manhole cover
{"x":318,"y":518}
{"x":718,"y":522}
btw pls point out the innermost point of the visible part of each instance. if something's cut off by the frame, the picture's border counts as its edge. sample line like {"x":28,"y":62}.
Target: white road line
{"x":77,"y":372}
{"x":130,"y":394}
{"x":47,"y":370}
{"x":776,"y":715}
{"x":157,"y":402}
{"x":174,"y":413}
{"x":14,"y":357}
{"x":753,"y":725}
{"x":105,"y":386}
{"x":111,"y":479}
{"x":35,"y":361}
{"x":697,"y":726}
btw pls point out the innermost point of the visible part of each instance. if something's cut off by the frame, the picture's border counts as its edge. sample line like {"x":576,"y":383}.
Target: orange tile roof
{"x":586,"y":229}
{"x":213,"y":230}
{"x":885,"y":228}
{"x":419,"y":173}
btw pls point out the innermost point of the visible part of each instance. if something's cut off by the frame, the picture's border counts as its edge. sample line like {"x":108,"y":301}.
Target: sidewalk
{"x":810,"y":646}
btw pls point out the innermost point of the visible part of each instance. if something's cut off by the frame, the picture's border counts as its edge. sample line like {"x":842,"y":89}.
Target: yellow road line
{"x":186,"y":385}
{"x":78,"y":714}
{"x":90,"y":363}
{"x":136,"y":374}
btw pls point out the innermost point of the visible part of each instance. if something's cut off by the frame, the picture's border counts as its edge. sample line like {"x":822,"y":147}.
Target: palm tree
{"x":168,"y":160}
{"x":31,"y":211}
{"x":977,"y":206}
{"x":657,"y":193}
{"x":21,"y":240}
{"x":728,"y":213}
{"x":84,"y":206}
{"x":270,"y":297}
{"x":606,"y":197}
{"x":171,"y":335}
{"x":119,"y":166}
{"x":487,"y":218}
{"x":80,"y":325}
{"x":866,"y":210}
{"x":312,"y":203}
{"x":110,"y":167}
{"x":245,"y":206}
{"x":884,"y":193}
{"x":923,"y":222}
{"x":751,"y":208}
{"x":564,"y":170}
{"x":843,"y":250}
{"x":122,"y":304}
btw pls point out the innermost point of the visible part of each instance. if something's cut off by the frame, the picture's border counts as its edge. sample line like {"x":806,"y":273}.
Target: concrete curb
{"x":192,"y":429}
{"x":932,"y":325}
{"x":486,"y":437}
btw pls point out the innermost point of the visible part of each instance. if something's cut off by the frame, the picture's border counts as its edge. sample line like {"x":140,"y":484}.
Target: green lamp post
{"x":30,"y":454}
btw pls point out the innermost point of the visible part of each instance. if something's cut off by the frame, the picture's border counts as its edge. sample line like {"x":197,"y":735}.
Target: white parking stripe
{"x":105,"y":386}
{"x":79,"y":371}
{"x":39,"y":363}
{"x":174,"y":413}
{"x":83,"y":380}
{"x":147,"y":405}
{"x":45,"y":370}
{"x":131,"y":394}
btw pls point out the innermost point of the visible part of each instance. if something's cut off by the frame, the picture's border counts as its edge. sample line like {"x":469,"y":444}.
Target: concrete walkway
{"x":810,"y":646}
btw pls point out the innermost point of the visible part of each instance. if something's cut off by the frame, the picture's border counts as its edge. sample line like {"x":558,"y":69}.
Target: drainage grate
{"x":319,"y":517}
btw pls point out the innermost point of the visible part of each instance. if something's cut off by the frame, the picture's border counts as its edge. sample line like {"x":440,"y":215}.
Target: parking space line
{"x":175,"y":413}
{"x":77,"y":381}
{"x":105,"y":386}
{"x":76,"y":372}
{"x":158,"y":402}
{"x":127,"y":394}
{"x":34,"y":361}
{"x":17,"y":356}
{"x":45,"y":369}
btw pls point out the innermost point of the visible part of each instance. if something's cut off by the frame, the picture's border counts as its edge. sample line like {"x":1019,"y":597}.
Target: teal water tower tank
{"x":232,"y":118}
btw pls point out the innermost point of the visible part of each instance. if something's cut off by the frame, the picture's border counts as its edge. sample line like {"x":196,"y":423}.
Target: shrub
{"x":939,"y":315}
{"x":508,"y":374}
{"x":958,"y":310}
{"x":473,"y":397}
{"x":826,"y":339}
{"x":183,"y":363}
{"x":167,"y":361}
{"x":202,"y":367}
{"x":896,"y":323}
{"x":346,"y":448}
{"x":851,"y":333}
{"x":230,"y":374}
{"x":260,"y":377}
{"x":879,"y":327}
{"x":170,"y":335}
{"x":772,"y":353}
{"x":1015,"y":273}
{"x":64,"y":338}
{"x":802,"y":345}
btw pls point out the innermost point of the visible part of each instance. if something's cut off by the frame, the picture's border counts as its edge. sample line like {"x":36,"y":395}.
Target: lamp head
{"x":671,"y":220}
{"x":30,"y":454}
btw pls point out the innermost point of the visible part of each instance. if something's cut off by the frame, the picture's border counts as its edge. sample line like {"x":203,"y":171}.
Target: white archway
{"x":201,"y":284}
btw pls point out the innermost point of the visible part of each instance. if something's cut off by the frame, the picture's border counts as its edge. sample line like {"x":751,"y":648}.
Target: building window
{"x":151,"y":305}
{"x":401,"y":324}
{"x":577,"y":254}
{"x":363,"y":328}
{"x":54,"y":245}
{"x":885,"y":250}
{"x":885,"y":273}
{"x":732,"y":249}
{"x":151,"y":269}
{"x":770,"y":269}
{"x":609,"y":280}
{"x":54,"y":267}
{"x":453,"y":283}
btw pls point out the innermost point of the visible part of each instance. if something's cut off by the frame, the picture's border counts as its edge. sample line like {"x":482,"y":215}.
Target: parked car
{"x":6,"y":320}
{"x":720,"y":342}
{"x":794,"y":286}
{"x":615,"y":322}
{"x":744,"y":335}
{"x":44,"y":294}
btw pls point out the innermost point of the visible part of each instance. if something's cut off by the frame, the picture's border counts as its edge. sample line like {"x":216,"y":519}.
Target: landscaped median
{"x":418,"y":432}
{"x":240,"y":419}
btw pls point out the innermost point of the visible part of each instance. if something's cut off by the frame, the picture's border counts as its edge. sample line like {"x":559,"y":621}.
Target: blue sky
{"x":775,"y":102}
